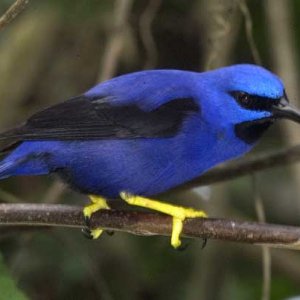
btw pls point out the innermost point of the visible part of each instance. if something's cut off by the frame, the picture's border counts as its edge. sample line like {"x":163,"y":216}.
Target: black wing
{"x":84,"y":119}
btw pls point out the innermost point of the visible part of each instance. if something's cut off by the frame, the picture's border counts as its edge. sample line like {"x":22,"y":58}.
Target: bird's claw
{"x":87,"y":222}
{"x":110,"y":232}
{"x":97,"y":204}
{"x":182,"y":247}
{"x":204,"y":243}
{"x":87,"y":233}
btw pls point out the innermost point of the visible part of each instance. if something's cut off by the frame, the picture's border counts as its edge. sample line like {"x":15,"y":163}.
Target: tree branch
{"x":146,"y":223}
{"x":246,"y":166}
{"x":15,"y":9}
{"x":116,"y":40}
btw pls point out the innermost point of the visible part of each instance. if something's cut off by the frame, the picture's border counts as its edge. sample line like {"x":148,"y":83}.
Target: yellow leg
{"x":178,"y":213}
{"x":98,"y":203}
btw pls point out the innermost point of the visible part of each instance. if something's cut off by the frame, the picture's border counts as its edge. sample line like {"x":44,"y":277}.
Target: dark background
{"x":58,"y":49}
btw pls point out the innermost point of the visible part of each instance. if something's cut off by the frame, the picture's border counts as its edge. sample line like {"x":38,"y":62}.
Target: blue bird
{"x":140,"y":134}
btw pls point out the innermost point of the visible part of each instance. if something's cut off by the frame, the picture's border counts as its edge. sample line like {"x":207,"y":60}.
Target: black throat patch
{"x":251,"y":131}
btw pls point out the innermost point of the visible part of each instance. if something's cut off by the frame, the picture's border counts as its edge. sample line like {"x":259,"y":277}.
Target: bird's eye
{"x":254,"y":102}
{"x":244,"y":99}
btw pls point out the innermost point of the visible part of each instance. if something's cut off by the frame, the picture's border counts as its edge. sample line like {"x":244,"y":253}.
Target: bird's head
{"x":250,"y":98}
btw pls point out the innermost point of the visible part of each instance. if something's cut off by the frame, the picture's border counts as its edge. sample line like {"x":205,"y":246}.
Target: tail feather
{"x":9,"y":140}
{"x":8,"y":166}
{"x":24,"y":161}
{"x":9,"y":147}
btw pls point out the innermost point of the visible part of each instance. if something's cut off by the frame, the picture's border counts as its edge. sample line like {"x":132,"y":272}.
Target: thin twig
{"x":285,"y":263}
{"x":220,"y":23}
{"x":145,"y":223}
{"x":116,"y":39}
{"x":147,"y":38}
{"x":54,"y":193}
{"x":246,"y":166}
{"x":249,"y":31}
{"x":266,"y":251}
{"x":14,"y":10}
{"x":282,"y":48}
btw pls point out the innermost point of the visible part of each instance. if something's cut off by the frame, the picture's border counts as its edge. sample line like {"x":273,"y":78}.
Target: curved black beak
{"x":283,"y":110}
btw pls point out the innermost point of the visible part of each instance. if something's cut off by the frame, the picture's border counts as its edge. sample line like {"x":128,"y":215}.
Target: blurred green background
{"x":57,"y":49}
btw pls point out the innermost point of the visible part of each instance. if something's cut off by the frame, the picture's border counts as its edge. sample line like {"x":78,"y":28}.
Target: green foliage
{"x":8,"y":287}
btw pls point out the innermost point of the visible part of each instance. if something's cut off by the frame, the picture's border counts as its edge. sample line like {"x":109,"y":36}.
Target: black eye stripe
{"x":254,"y":102}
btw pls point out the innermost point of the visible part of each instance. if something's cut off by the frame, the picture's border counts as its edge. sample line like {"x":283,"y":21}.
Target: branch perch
{"x":15,"y":9}
{"x":146,"y":223}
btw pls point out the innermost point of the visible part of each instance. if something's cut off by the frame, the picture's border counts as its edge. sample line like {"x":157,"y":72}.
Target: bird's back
{"x":143,"y":132}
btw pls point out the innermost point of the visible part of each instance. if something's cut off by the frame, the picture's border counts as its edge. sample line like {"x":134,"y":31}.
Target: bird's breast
{"x":251,"y":131}
{"x":145,"y":166}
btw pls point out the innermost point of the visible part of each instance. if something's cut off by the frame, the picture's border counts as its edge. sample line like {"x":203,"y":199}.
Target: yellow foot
{"x":92,"y":233}
{"x":98,"y":203}
{"x":178,"y":213}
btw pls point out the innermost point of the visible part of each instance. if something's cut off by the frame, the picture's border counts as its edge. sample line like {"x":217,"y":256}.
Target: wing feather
{"x":83,"y":118}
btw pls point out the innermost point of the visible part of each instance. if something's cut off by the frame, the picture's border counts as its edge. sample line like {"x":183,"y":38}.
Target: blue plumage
{"x":144,"y":144}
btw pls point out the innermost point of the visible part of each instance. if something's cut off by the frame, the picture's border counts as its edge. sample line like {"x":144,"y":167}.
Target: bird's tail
{"x":19,"y":158}
{"x":23,"y":161}
{"x":6,"y":164}
{"x":7,"y":167}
